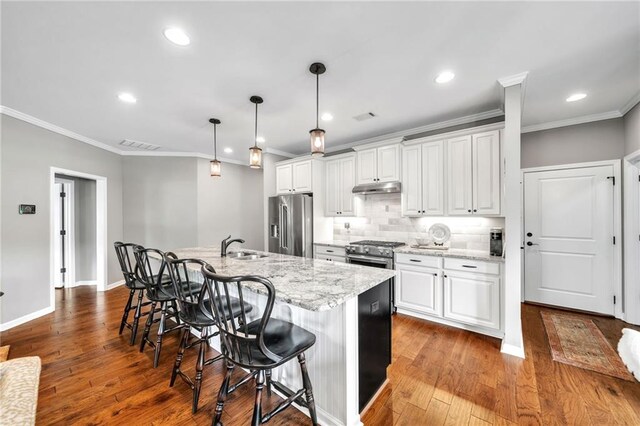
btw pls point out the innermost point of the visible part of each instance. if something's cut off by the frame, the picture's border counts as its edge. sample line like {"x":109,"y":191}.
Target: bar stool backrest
{"x":127,"y":261}
{"x":151,"y":270}
{"x":231,"y":318}
{"x":186,"y":279}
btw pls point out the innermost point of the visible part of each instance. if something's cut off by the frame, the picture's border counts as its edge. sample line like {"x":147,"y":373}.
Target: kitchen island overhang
{"x":346,"y":306}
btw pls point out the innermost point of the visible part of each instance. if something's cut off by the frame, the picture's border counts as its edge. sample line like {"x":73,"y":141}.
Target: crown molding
{"x":572,"y":121}
{"x":181,"y":154}
{"x":421,"y":129}
{"x":279,"y":152}
{"x":629,"y":105}
{"x":56,"y":129}
{"x":514,"y":79}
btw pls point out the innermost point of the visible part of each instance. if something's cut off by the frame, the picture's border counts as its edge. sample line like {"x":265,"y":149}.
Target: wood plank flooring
{"x":439,"y":376}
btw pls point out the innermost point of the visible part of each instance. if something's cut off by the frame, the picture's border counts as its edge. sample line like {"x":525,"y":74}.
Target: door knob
{"x":529,"y":243}
{"x":529,"y":234}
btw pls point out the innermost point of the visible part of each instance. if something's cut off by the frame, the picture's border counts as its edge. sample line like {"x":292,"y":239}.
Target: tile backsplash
{"x":380,"y":218}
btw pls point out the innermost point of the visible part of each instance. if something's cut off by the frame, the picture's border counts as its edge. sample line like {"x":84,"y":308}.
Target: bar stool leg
{"x":268,"y":380}
{"x":136,"y":318}
{"x":199,"y":368}
{"x":147,"y":326}
{"x":257,"y":407}
{"x":125,"y":314}
{"x":306,"y":382}
{"x":222,"y":395}
{"x":183,"y":345}
{"x":161,"y":328}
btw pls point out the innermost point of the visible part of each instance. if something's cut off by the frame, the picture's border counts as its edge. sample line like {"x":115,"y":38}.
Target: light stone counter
{"x":332,"y":243}
{"x":457,"y":253}
{"x":312,"y":284}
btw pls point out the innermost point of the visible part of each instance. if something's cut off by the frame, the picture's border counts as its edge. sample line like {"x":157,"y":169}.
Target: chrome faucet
{"x":226,"y":243}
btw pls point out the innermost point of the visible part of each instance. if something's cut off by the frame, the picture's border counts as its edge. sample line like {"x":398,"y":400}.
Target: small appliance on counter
{"x":495,"y":242}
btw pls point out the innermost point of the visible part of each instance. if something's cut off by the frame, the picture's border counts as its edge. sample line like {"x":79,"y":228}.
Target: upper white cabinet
{"x":473,"y":174}
{"x":379,"y":164}
{"x":341,"y":176}
{"x":294,"y":177}
{"x":423,"y":179}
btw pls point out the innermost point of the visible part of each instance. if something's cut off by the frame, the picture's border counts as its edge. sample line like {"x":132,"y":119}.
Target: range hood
{"x":377,"y":188}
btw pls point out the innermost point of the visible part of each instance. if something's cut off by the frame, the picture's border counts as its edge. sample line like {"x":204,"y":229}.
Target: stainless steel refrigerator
{"x":291,"y":225}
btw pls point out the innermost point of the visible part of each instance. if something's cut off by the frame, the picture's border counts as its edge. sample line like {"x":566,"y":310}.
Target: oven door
{"x":374,"y":262}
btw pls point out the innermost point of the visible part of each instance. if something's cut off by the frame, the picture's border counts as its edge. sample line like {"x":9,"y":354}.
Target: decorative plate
{"x":439,"y":233}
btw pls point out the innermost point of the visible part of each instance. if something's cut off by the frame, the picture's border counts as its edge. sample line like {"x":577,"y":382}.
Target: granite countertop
{"x":457,"y":253}
{"x":312,"y":284}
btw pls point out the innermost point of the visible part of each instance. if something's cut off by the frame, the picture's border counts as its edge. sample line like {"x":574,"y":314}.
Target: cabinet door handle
{"x":469,"y":211}
{"x":329,"y":251}
{"x":469,"y":266}
{"x":445,"y":276}
{"x":435,"y":275}
{"x":475,"y":210}
{"x":415,"y":260}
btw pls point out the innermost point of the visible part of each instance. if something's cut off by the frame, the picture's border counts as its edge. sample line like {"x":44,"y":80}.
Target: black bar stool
{"x":188,"y":286}
{"x":134,"y":286}
{"x":151,"y":272}
{"x":259,"y":346}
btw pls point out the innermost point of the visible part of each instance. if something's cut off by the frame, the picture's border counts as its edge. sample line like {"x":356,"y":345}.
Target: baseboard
{"x":512,"y":350}
{"x":88,"y":282}
{"x":115,"y":284}
{"x":29,"y":317}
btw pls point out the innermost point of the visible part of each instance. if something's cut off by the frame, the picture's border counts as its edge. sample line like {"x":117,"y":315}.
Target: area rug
{"x":4,"y":353}
{"x":577,"y":341}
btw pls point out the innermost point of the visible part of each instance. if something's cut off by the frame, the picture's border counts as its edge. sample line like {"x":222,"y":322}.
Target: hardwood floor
{"x":440,"y":375}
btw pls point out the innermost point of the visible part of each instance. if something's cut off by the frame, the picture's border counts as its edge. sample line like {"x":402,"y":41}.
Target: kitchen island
{"x":346,"y":306}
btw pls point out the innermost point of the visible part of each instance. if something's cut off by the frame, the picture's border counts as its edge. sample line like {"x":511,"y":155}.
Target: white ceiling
{"x":65,"y":63}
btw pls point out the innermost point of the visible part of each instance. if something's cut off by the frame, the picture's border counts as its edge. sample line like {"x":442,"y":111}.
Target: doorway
{"x":572,"y":236}
{"x":85,"y":216}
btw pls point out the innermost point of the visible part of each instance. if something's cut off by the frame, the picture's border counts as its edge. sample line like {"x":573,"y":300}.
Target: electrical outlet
{"x":347,"y":225}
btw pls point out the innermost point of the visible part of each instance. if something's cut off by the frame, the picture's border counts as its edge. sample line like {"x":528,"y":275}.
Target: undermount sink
{"x":245,"y":255}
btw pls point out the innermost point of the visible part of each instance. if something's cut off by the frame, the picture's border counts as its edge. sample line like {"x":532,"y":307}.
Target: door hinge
{"x":614,"y":299}
{"x":63,"y":232}
{"x":614,"y":240}
{"x":613,"y":179}
{"x":63,"y":194}
{"x":63,"y":270}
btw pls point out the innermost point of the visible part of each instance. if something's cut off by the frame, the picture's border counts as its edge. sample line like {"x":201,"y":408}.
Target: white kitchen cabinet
{"x":379,"y":164}
{"x":423,"y":179}
{"x":486,"y":173}
{"x":459,"y":176}
{"x":294,"y":177}
{"x":473,"y":174}
{"x":341,"y":176}
{"x":329,"y":253}
{"x":472,"y":298}
{"x":419,"y":289}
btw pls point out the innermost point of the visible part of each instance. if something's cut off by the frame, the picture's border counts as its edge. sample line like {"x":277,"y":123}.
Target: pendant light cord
{"x":255,"y":139}
{"x":317,"y":98}
{"x":215,"y":143}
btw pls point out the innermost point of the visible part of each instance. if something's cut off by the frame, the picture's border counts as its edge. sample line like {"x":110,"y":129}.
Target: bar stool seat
{"x":282,"y":338}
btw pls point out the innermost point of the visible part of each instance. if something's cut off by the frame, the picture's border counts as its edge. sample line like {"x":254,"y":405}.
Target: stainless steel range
{"x":377,"y":254}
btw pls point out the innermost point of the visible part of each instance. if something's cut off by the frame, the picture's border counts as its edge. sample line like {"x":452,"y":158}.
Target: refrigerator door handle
{"x":284,"y":226}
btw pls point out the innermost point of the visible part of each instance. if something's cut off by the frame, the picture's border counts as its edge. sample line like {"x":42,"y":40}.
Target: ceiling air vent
{"x":139,"y":145}
{"x":365,"y":116}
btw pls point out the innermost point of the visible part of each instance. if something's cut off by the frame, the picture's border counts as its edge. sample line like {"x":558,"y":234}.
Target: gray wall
{"x":597,"y":141}
{"x":173,"y":202}
{"x":230,"y":205}
{"x":160,"y":206}
{"x":632,"y":130}
{"x":28,"y":152}
{"x":84,"y":227}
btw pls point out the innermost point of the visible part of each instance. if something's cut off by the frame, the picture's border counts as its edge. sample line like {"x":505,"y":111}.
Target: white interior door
{"x":63,"y":234}
{"x":569,"y":230}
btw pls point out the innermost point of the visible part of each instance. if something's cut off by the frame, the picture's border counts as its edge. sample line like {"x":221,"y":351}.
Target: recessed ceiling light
{"x":228,"y":150}
{"x":445,"y":77}
{"x":177,"y":36}
{"x":576,"y":97}
{"x":327,"y":116}
{"x":128,"y":98}
{"x":260,"y":139}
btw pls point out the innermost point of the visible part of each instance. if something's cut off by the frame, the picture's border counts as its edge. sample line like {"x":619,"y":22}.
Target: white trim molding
{"x":631,"y":240}
{"x":26,"y":318}
{"x":514,"y":79}
{"x":572,"y":121}
{"x":115,"y":284}
{"x":629,"y":105}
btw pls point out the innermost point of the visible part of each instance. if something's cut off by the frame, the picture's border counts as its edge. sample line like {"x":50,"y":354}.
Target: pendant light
{"x":317,"y":134}
{"x":216,"y":166}
{"x":255,"y":153}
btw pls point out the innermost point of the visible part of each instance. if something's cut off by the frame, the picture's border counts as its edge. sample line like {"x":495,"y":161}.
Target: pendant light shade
{"x":317,"y":134}
{"x":255,"y":153}
{"x":215,"y":165}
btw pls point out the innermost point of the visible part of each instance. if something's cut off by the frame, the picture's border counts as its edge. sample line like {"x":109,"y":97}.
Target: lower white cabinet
{"x":472,"y":298}
{"x":419,"y":288}
{"x":443,"y":290}
{"x":330,"y":253}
